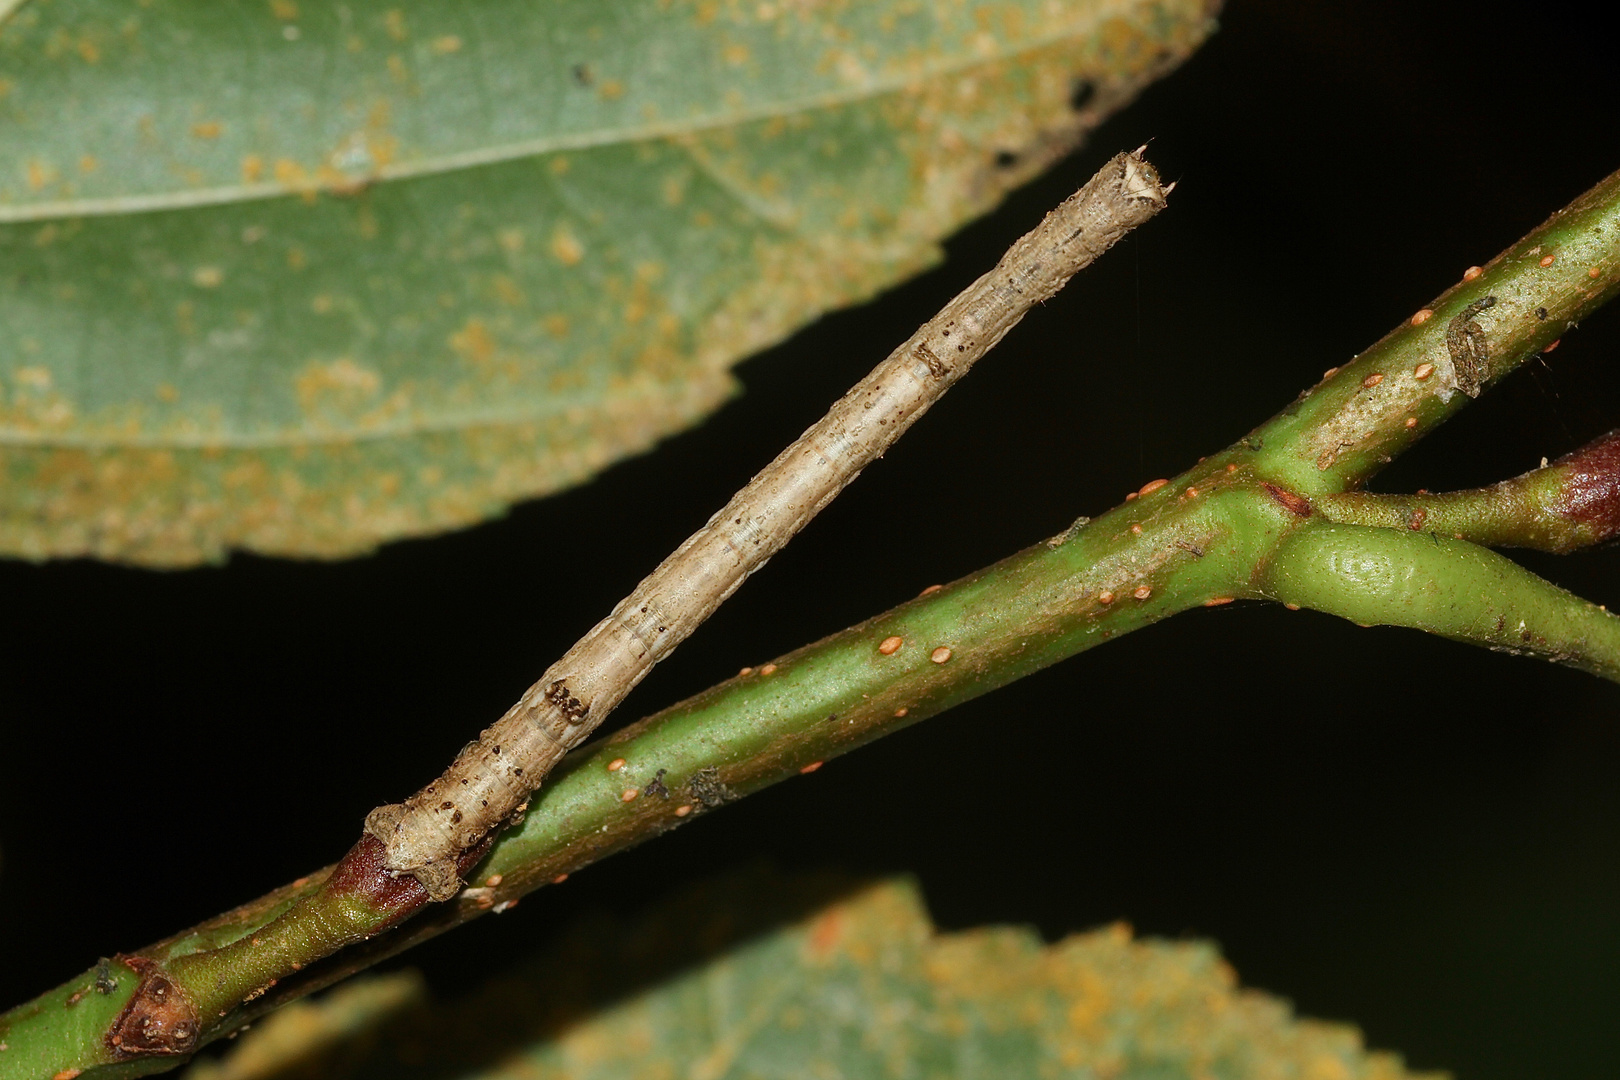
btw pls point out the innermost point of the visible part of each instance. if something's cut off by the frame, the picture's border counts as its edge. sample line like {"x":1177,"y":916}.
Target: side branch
{"x":1571,"y":504}
{"x":1449,"y":587}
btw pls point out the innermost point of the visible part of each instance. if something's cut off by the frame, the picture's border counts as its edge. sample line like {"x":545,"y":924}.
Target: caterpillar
{"x":491,"y":779}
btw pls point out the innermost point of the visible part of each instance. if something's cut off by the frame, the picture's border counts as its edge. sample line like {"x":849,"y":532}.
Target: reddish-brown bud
{"x":1590,"y":493}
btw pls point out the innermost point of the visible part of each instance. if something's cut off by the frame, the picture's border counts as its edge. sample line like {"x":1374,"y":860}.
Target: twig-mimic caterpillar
{"x":492,"y":778}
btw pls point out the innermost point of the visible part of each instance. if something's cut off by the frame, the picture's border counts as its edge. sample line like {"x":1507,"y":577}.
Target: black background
{"x":1408,"y":833}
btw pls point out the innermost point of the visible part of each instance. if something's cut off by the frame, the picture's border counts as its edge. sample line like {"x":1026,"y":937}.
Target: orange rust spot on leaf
{"x":891,"y":645}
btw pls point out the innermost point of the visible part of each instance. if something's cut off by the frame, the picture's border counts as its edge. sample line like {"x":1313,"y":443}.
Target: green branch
{"x":1342,"y":431}
{"x":1260,"y":520}
{"x":1571,"y":504}
{"x":1449,"y":587}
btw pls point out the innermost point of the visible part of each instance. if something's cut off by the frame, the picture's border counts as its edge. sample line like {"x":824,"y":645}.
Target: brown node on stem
{"x":159,"y":1018}
{"x":1288,"y":500}
{"x":1591,"y":492}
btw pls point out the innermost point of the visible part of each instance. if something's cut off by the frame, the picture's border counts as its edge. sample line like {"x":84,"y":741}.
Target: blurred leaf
{"x":862,"y":987}
{"x":299,"y":277}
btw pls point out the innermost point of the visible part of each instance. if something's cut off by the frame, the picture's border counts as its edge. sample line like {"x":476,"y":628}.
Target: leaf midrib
{"x":216,"y":196}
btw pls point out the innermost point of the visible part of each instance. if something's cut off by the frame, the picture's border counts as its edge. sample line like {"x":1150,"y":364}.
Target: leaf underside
{"x":299,"y":277}
{"x":861,"y":987}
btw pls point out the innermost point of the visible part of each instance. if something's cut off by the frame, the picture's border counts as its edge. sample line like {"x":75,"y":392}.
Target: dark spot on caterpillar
{"x":1081,"y":93}
{"x":1006,"y":159}
{"x":497,"y":750}
{"x":574,"y":710}
{"x":1294,"y":504}
{"x":517,"y":770}
{"x":446,"y":805}
{"x":936,"y":366}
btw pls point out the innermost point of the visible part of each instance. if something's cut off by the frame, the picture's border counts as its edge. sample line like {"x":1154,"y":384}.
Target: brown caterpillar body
{"x":491,"y":778}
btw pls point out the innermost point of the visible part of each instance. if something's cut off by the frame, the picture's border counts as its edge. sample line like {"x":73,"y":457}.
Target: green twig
{"x":1449,"y":587}
{"x":1571,"y":504}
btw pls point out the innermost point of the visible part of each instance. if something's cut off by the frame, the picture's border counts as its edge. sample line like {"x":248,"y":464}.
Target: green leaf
{"x":862,"y":987}
{"x":300,"y":277}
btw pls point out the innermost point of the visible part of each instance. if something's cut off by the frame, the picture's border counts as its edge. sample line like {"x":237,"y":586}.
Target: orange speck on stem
{"x":559,"y":879}
{"x":1142,"y":592}
{"x":1151,"y":486}
{"x":1192,"y":492}
{"x":891,"y":645}
{"x":1553,"y":346}
{"x":1231,"y":468}
{"x":940,"y":655}
{"x":931,"y":590}
{"x":768,"y":669}
{"x":1594,"y":273}
{"x":1372,"y":380}
{"x":683,"y":810}
{"x":810,"y":768}
{"x":901,"y":712}
{"x":1422,"y":317}
{"x":1291,"y":607}
{"x":1129,"y":496}
{"x":1423,"y":370}
{"x":630,"y":794}
{"x":1546,"y":260}
{"x":744,"y":672}
{"x":1105,"y":597}
{"x":1330,"y":372}
{"x":1411,"y":421}
{"x":1472,"y":272}
{"x":1136,"y":529}
{"x":616,"y":764}
{"x":1217,"y":601}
